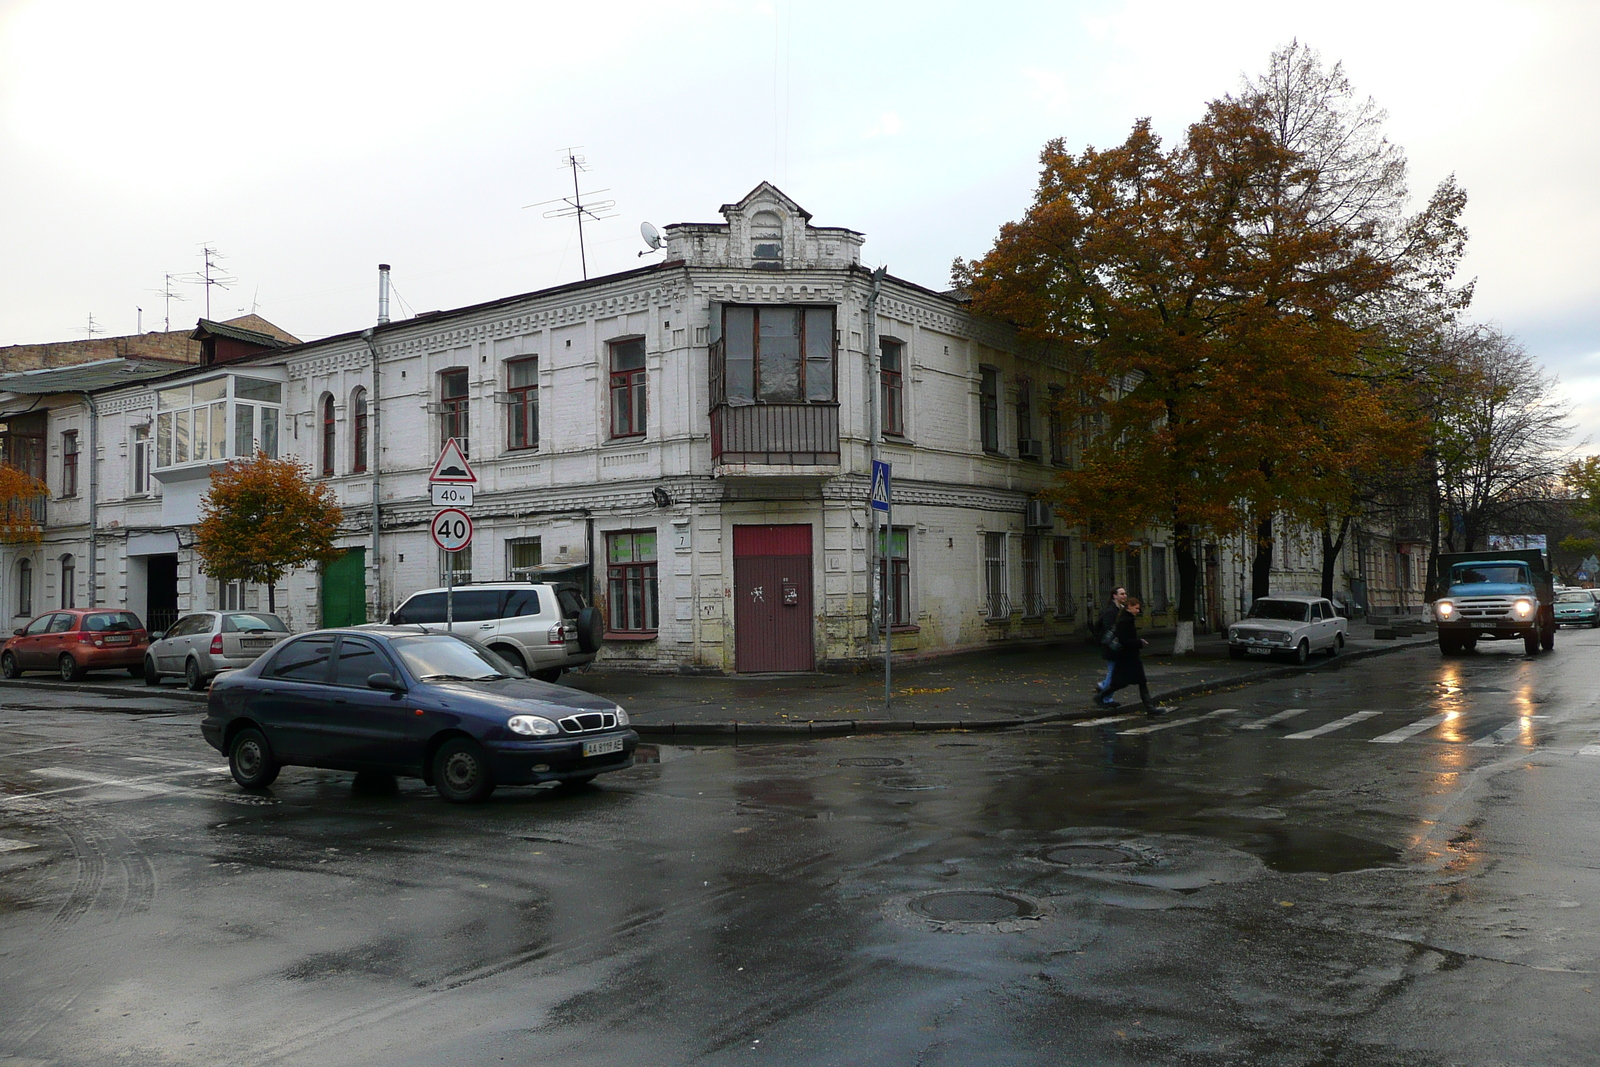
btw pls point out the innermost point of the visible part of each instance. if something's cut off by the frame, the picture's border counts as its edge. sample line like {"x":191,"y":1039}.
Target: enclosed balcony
{"x":774,"y":392}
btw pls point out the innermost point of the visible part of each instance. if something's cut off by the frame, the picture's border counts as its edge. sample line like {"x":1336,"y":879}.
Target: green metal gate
{"x":344,"y":589}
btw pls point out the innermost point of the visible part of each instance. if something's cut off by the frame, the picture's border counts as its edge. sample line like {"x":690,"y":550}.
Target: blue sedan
{"x":397,"y":701}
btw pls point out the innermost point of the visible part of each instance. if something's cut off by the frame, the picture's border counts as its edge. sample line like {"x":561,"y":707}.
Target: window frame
{"x":359,"y":430}
{"x":633,"y":586}
{"x":450,"y":562}
{"x":996,"y":576}
{"x":1061,"y":575}
{"x":142,"y":453}
{"x":891,"y":392}
{"x":805,"y":358}
{"x":455,"y":409}
{"x":69,"y":582}
{"x":24,"y":586}
{"x":527,"y":572}
{"x":989,"y":385}
{"x":522,"y":407}
{"x":1024,"y":408}
{"x":69,"y":463}
{"x":628,"y":394}
{"x":1055,"y":425}
{"x":901,"y":570}
{"x":330,"y":435}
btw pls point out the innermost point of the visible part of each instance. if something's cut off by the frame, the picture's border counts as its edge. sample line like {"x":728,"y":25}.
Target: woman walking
{"x":1127,"y":668}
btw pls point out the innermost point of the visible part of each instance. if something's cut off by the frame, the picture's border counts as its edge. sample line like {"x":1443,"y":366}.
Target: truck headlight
{"x":1523,"y":608}
{"x":1445,"y":609}
{"x":532,"y":726}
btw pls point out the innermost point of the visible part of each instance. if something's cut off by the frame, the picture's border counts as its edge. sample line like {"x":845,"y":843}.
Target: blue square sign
{"x":880,"y":485}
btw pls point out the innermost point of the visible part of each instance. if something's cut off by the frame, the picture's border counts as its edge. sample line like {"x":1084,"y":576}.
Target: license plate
{"x":1485,"y":625}
{"x":125,"y":639}
{"x":602,"y":746}
{"x":1259,"y":651}
{"x":255,"y":644}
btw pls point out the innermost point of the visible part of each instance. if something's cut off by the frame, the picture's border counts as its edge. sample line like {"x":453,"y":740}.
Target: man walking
{"x":1104,"y":629}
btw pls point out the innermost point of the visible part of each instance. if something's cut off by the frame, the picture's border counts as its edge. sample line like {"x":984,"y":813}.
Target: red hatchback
{"x":74,"y":641}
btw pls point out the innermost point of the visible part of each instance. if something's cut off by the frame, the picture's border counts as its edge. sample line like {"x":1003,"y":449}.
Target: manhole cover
{"x":973,"y":907}
{"x":1089,"y":856}
{"x":871,"y":761}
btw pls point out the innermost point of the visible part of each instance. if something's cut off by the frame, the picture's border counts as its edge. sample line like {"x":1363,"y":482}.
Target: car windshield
{"x":1582,"y":596}
{"x":110,"y":620}
{"x":1288,"y":610}
{"x":1502,"y":574}
{"x":239,"y":622}
{"x":447,"y":658}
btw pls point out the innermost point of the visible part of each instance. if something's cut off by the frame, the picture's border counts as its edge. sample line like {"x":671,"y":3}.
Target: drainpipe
{"x":94,"y":500}
{"x":375,"y":453}
{"x":874,"y":436}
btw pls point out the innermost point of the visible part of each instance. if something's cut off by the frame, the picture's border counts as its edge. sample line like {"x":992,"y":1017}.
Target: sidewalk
{"x":983,"y":690}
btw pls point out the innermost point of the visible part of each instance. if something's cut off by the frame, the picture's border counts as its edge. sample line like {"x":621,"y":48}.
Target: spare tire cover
{"x":591,"y":629}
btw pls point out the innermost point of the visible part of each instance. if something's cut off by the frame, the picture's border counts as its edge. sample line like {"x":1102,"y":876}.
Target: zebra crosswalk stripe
{"x":1411,"y":730}
{"x":1153,"y":727}
{"x":1330,"y":727}
{"x":1286,"y":713}
{"x":1503,"y":736}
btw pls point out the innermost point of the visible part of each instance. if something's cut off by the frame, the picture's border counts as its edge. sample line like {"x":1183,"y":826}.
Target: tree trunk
{"x":1331,"y":547}
{"x":1188,"y":572}
{"x":1261,"y":565}
{"x":1433,"y":524}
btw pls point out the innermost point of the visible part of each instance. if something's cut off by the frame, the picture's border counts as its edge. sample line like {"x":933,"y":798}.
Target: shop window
{"x":631,"y":576}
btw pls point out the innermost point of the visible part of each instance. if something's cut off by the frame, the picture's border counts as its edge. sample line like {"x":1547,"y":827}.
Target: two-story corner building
{"x":697,"y":432}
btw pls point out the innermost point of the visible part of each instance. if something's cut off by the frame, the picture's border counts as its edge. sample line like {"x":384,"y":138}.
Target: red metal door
{"x":772,"y":615}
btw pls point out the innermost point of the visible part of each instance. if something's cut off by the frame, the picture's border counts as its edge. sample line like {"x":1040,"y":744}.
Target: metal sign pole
{"x":450,"y":591}
{"x":888,"y":602}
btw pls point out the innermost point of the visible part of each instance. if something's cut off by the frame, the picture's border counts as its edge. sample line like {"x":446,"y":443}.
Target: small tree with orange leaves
{"x":263,"y":518}
{"x":18,"y":490}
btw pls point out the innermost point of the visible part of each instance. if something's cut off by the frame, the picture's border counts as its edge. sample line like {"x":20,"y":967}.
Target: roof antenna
{"x":168,"y":294}
{"x":574,"y":207}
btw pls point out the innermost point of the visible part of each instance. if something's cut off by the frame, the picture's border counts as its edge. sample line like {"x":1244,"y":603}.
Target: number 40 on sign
{"x":452,"y":529}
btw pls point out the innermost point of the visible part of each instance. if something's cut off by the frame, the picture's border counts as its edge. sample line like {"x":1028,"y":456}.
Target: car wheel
{"x":1302,"y":651}
{"x":1547,"y":637}
{"x":548,"y":674}
{"x":1235,"y":652}
{"x":151,"y":675}
{"x":1594,"y":622}
{"x":511,"y":656}
{"x":1469,"y":644}
{"x":1530,"y":643}
{"x":1448,"y":646}
{"x":250,"y":760}
{"x":461,"y":772}
{"x":70,"y":671}
{"x":8,"y":666}
{"x":1337,"y":646}
{"x":192,"y":676}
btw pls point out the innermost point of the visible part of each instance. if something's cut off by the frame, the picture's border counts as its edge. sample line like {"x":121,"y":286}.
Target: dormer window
{"x":766,"y":241}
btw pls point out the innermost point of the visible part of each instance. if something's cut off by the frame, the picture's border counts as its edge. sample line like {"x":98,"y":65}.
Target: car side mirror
{"x":385,"y":681}
{"x":392,"y":615}
{"x":17,"y":632}
{"x":156,"y":635}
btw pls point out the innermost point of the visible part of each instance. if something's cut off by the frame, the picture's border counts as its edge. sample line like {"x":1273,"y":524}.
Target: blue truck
{"x":1494,"y":595}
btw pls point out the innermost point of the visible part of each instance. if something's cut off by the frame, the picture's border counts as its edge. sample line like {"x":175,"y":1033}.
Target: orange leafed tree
{"x":262,"y":518}
{"x":18,"y":490}
{"x":1228,"y":338}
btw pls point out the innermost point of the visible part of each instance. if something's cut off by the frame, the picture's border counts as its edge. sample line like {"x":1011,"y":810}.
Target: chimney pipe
{"x":383,"y":293}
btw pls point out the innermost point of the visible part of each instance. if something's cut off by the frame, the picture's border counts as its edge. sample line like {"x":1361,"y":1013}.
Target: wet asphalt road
{"x":1404,"y":872}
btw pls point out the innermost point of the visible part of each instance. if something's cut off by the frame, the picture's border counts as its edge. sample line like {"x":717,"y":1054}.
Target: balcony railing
{"x":791,"y":435}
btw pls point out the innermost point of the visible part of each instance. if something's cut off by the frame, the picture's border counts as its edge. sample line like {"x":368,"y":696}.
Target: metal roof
{"x":88,"y":377}
{"x":206,"y":328}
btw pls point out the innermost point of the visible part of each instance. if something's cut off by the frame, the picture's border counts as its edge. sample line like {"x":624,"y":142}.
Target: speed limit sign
{"x":452,"y":529}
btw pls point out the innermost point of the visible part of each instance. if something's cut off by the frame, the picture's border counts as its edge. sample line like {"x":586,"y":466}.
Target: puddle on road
{"x":1308,"y":850}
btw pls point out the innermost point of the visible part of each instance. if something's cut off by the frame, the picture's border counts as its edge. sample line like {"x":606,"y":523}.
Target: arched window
{"x":25,"y":587}
{"x":358,"y":407}
{"x":69,"y":581}
{"x":327,"y":437}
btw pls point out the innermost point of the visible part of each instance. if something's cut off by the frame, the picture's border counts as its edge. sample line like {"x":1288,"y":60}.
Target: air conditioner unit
{"x":1040,"y":516}
{"x":1032,"y":449}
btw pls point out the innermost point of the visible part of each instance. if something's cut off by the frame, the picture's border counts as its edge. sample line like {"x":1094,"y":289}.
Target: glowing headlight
{"x":1524,"y":608}
{"x":532,"y":726}
{"x":622,"y":717}
{"x":1445,"y":609}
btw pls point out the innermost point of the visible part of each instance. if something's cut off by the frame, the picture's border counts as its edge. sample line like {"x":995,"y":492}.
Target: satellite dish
{"x":651,"y":235}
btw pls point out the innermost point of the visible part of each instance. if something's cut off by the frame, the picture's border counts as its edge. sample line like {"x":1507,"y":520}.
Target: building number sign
{"x":452,"y":529}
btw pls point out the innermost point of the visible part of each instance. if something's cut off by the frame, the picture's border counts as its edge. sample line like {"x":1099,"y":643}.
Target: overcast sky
{"x":309,"y":142}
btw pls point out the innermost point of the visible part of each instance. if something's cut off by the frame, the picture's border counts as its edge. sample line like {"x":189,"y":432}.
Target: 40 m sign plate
{"x":451,"y":529}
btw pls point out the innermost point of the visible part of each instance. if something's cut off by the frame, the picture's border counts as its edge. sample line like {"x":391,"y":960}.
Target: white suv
{"x":542,"y":627}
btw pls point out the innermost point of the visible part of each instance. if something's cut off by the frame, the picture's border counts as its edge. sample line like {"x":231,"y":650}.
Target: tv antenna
{"x":93,"y":327}
{"x":652,"y":237}
{"x":168,"y":294}
{"x":211,"y":275}
{"x":573,"y":207}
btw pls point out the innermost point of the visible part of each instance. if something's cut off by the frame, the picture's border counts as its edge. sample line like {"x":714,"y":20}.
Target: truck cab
{"x":1497,"y":595}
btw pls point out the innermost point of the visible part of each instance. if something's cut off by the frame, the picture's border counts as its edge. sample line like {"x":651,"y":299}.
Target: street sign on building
{"x":452,"y":465}
{"x":451,"y":529}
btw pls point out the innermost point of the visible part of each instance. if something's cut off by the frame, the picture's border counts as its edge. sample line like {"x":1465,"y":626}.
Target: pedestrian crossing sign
{"x":880,"y":485}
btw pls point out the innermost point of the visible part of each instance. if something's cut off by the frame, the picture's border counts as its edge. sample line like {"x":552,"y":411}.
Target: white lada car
{"x":1288,"y":625}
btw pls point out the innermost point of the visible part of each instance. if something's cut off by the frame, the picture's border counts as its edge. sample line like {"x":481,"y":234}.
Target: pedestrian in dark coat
{"x":1103,"y":630}
{"x":1127,"y":666}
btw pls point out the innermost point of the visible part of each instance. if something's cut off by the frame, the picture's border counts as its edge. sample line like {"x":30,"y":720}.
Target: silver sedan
{"x":202,"y":644}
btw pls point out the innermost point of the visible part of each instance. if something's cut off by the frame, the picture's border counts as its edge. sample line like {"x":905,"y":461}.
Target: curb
{"x":835,"y":728}
{"x":117,"y":692}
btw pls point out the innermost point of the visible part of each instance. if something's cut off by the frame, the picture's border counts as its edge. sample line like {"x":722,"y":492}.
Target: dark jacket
{"x":1103,"y":629}
{"x":1128,"y":668}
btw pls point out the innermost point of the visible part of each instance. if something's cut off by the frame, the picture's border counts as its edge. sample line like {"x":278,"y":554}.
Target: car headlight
{"x":1523,"y":608}
{"x":622,"y":717}
{"x":532,"y":726}
{"x":1445,"y":609}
